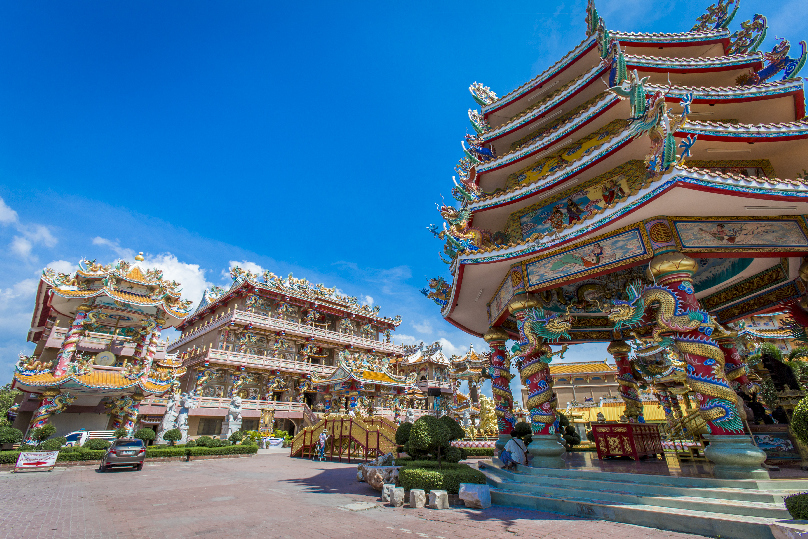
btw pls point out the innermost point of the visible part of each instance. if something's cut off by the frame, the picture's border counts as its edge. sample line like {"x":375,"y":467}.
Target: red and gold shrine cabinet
{"x":627,"y":440}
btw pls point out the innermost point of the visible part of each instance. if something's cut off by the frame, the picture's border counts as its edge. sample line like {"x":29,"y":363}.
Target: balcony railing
{"x":246,"y":404}
{"x":278,"y":324}
{"x":266,"y":362}
{"x":93,"y":341}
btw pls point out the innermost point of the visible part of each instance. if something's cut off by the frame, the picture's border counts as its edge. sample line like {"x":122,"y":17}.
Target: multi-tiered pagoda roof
{"x":629,"y":142}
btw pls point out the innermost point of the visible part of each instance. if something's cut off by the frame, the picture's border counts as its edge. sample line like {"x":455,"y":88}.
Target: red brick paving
{"x":268,"y":496}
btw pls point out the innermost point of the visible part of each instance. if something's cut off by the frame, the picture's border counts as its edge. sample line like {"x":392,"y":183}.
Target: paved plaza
{"x":268,"y":495}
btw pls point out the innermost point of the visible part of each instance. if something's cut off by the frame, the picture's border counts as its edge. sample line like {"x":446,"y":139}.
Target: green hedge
{"x":78,"y":454}
{"x":797,"y":505}
{"x":227,"y":450}
{"x":10,"y":457}
{"x":445,"y":479}
{"x":479,"y":451}
{"x":165,"y":452}
{"x":430,"y":464}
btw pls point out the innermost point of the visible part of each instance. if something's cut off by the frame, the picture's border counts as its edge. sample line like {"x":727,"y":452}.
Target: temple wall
{"x":66,"y":423}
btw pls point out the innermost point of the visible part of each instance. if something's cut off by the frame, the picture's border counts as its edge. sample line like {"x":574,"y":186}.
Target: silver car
{"x":124,"y":452}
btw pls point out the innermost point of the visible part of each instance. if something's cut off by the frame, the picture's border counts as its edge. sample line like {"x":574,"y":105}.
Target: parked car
{"x":79,"y":437}
{"x":124,"y":452}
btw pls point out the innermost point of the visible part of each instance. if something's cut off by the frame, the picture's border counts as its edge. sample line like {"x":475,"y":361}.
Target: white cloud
{"x":450,"y":349}
{"x":245,"y":265}
{"x":400,"y":338}
{"x":39,"y":234}
{"x":62,"y":266}
{"x":7,"y":215}
{"x":424,"y":327}
{"x":115,"y":247}
{"x":190,"y":276}
{"x":21,"y":246}
{"x":368,"y":300}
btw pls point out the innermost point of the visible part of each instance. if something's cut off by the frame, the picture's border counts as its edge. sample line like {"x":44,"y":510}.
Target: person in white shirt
{"x":515,"y":452}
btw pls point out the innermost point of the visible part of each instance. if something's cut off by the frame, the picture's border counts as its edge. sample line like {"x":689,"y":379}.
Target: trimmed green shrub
{"x":205,"y":441}
{"x":454,"y":454}
{"x":120,"y":432}
{"x":799,"y":421}
{"x":797,"y":505}
{"x":83,"y":454}
{"x":157,"y":452}
{"x":10,"y":435}
{"x":403,"y":433}
{"x":463,"y":453}
{"x":228,"y":450}
{"x":236,"y":437}
{"x":191,"y":443}
{"x":42,"y":433}
{"x":429,"y":435}
{"x":428,"y":464}
{"x":172,"y":436}
{"x":54,"y":444}
{"x":9,"y":457}
{"x":96,"y":444}
{"x":147,"y":435}
{"x":27,"y":447}
{"x":479,"y":451}
{"x":456,"y":432}
{"x":447,"y":479}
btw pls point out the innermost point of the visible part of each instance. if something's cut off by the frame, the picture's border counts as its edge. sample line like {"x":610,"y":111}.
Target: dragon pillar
{"x":124,"y":411}
{"x":71,"y":341}
{"x":679,"y":313}
{"x":734,"y":366}
{"x":499,"y":371}
{"x":533,"y":360}
{"x":628,"y":385}
{"x":53,"y":402}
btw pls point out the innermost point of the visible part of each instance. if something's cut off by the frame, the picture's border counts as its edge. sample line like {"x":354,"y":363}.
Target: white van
{"x":79,"y":437}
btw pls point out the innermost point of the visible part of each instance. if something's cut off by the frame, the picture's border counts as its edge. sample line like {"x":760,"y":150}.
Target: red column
{"x":501,"y":379}
{"x":678,"y":311}
{"x":628,"y":385}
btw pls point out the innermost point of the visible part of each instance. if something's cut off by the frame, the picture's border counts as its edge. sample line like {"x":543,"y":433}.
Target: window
{"x":209,"y":426}
{"x":563,"y":381}
{"x":597,"y":378}
{"x":580,"y":380}
{"x":249,"y":424}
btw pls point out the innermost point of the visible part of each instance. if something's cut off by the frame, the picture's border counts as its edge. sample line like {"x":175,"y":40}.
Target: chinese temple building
{"x":773,"y":328}
{"x":429,"y":368}
{"x":98,"y":353}
{"x":646,"y":190}
{"x":286,"y":345}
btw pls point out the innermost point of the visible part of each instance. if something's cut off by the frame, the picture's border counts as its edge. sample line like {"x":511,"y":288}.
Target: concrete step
{"x":641,"y":489}
{"x":666,"y":518}
{"x":712,"y":505}
{"x":663,"y":480}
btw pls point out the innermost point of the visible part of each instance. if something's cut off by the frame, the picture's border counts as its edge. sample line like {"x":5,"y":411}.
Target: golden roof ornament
{"x":139,"y":257}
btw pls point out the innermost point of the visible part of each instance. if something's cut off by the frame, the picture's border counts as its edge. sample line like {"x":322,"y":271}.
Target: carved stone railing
{"x":246,"y":404}
{"x":267,"y":362}
{"x":93,"y":340}
{"x":278,"y":324}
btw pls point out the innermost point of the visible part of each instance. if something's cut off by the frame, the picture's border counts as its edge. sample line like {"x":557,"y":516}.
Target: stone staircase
{"x":703,"y":506}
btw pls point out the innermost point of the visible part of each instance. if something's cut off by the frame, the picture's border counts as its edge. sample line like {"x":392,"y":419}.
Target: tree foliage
{"x":172,"y":436}
{"x":120,"y":432}
{"x":403,"y":433}
{"x":430,"y":435}
{"x":42,"y":433}
{"x":7,"y":396}
{"x":10,"y":435}
{"x":146,"y":435}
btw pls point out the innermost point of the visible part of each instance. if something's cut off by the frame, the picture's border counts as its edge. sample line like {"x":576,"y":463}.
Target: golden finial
{"x":139,"y":257}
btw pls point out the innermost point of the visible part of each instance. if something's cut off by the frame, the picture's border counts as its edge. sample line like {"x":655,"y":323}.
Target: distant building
{"x":582,"y":382}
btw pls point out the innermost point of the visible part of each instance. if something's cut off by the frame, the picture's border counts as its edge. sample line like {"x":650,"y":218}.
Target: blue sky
{"x":312,"y":138}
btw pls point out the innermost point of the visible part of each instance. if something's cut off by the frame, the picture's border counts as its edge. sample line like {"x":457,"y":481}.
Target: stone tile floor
{"x":269,"y":495}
